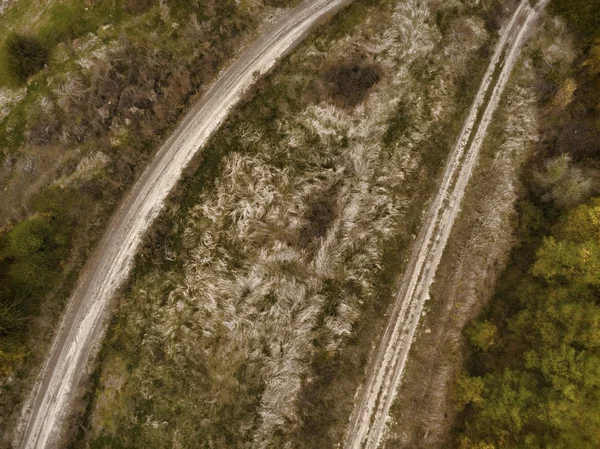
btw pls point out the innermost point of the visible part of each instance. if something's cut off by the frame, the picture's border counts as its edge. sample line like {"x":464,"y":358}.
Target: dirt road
{"x":85,"y":319}
{"x":368,"y":421}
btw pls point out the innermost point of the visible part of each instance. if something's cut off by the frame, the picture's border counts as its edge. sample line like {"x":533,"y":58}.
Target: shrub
{"x":348,"y":83}
{"x":24,"y":55}
{"x":318,"y":219}
{"x":562,"y":183}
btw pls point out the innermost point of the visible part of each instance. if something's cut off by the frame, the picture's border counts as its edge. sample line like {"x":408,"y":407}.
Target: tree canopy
{"x":540,"y":385}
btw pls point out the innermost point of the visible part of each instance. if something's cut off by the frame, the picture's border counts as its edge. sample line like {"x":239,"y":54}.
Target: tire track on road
{"x":367,"y":423}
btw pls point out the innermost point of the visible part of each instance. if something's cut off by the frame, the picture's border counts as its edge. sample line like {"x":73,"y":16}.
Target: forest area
{"x":532,"y":376}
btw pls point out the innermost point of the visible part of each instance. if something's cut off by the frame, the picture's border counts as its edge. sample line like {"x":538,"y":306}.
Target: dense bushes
{"x":533,"y":375}
{"x":348,"y":83}
{"x":539,"y":385}
{"x":23,"y":55}
{"x":582,"y":16}
{"x":31,"y":253}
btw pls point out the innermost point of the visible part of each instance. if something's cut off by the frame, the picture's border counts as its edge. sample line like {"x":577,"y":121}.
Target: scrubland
{"x":260,"y":291}
{"x":87,"y":91}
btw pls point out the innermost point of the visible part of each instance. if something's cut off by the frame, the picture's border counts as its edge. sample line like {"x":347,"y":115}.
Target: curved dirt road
{"x":85,"y":318}
{"x":368,"y":420}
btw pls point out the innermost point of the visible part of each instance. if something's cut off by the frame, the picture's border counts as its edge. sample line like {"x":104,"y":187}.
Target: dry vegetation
{"x":277,"y":258}
{"x":75,"y":131}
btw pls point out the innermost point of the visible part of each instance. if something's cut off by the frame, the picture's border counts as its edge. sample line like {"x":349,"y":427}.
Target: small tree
{"x":24,"y":55}
{"x":469,"y":390}
{"x":482,"y":335}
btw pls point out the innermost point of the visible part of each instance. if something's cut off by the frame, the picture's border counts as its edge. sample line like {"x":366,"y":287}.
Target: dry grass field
{"x":261,"y":290}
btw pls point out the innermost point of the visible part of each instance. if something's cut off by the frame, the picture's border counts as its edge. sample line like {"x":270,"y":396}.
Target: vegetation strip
{"x":368,"y":421}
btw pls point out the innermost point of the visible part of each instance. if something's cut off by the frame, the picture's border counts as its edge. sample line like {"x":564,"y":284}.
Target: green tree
{"x":469,"y":390}
{"x":482,"y":335}
{"x":541,"y":388}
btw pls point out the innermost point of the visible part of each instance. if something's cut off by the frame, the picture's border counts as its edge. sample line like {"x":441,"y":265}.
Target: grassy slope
{"x":73,"y":139}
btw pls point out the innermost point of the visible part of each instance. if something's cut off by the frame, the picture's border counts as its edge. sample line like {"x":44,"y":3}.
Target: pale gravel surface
{"x":85,"y":319}
{"x":368,"y":422}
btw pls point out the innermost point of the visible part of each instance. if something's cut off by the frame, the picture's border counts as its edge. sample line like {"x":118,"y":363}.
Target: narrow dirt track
{"x":384,"y":375}
{"x":85,"y":319}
